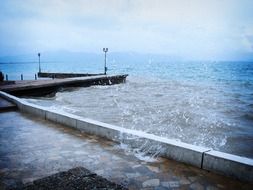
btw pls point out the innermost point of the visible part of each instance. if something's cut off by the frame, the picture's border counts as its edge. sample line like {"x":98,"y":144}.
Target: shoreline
{"x":207,"y":159}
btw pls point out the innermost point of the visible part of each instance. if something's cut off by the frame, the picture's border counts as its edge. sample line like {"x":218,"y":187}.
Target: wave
{"x":202,"y":114}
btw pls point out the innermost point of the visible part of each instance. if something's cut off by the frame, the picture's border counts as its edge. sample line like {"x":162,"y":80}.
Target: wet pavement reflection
{"x":32,"y":148}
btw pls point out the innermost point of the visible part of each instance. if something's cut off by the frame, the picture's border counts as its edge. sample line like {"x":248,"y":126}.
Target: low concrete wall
{"x":34,"y":109}
{"x":61,"y":118}
{"x":179,"y":151}
{"x":227,"y":164}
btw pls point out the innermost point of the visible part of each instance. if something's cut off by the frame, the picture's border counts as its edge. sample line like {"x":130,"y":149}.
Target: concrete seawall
{"x":205,"y":158}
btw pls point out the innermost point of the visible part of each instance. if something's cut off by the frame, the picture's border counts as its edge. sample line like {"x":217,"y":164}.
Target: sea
{"x":205,"y":103}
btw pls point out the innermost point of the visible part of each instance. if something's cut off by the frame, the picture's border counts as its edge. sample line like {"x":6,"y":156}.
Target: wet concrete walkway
{"x":32,"y":148}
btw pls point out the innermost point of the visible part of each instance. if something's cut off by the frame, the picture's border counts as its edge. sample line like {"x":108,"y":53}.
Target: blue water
{"x":203,"y":103}
{"x":220,"y":72}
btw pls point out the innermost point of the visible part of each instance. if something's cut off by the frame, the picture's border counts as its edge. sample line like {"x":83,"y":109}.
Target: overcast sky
{"x":196,"y":29}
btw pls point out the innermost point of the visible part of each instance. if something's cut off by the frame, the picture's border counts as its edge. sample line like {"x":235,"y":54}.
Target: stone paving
{"x":32,"y":148}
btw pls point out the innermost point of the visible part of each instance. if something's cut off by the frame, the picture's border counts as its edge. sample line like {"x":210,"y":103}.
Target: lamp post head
{"x":105,"y":50}
{"x":39,"y":54}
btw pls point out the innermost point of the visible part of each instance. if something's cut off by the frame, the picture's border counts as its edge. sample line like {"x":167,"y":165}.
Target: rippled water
{"x":207,"y":104}
{"x":203,"y":103}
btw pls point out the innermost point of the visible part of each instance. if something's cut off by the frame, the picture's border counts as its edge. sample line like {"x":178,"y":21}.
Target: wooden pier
{"x":48,"y":86}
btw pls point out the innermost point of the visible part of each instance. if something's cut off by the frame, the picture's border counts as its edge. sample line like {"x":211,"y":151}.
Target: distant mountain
{"x":18,"y":58}
{"x":64,"y":56}
{"x":121,"y":57}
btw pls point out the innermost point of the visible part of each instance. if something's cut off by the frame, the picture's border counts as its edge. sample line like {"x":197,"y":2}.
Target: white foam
{"x":186,"y":112}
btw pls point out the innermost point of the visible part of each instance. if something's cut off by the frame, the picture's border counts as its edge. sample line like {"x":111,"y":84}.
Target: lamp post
{"x":105,"y":50}
{"x":39,"y":63}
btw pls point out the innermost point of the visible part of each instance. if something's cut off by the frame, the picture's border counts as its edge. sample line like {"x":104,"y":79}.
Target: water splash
{"x":211,"y":110}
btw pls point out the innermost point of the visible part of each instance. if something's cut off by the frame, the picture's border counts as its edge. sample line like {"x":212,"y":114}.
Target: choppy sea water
{"x":203,"y":103}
